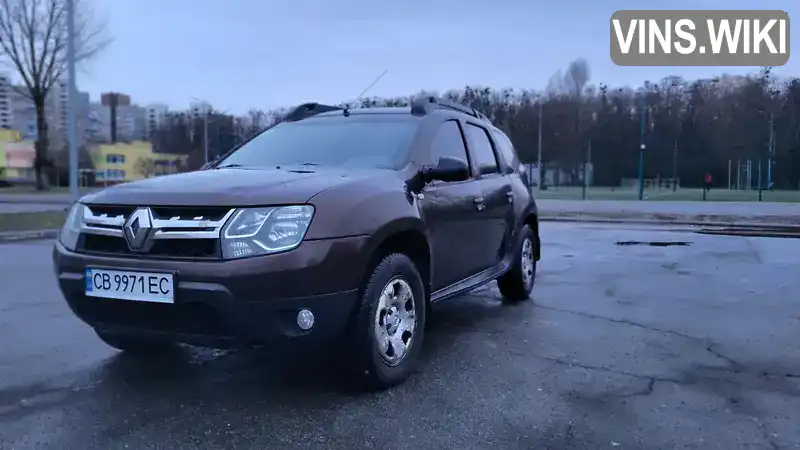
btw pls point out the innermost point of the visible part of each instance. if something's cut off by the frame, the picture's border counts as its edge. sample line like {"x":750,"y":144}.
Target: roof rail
{"x":310,"y":109}
{"x":425,"y":105}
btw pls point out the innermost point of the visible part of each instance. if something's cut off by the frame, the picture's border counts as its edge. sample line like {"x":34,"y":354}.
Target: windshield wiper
{"x":228,"y":166}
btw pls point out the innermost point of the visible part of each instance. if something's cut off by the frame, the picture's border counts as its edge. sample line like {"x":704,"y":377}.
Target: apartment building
{"x":156,"y":115}
{"x":6,"y":111}
{"x":58,"y":100}
{"x":18,"y":112}
{"x":200,"y":108}
{"x":131,"y":123}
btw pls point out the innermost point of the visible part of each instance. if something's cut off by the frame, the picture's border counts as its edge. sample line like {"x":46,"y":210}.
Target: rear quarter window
{"x":482,"y":150}
{"x":505,"y":147}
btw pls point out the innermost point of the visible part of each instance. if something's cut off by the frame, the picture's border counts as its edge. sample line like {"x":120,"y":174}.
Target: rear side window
{"x":482,"y":149}
{"x":448,"y":142}
{"x":505,"y":147}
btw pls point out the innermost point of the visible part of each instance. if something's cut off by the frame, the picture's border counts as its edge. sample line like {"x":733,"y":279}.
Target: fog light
{"x":305,"y":319}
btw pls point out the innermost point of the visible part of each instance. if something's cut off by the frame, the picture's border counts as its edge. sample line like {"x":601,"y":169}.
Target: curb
{"x":11,"y":237}
{"x":751,"y":233}
{"x":750,"y":224}
{"x":37,"y":201}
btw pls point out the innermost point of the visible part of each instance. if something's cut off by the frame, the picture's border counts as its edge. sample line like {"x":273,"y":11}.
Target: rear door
{"x":514,"y":171}
{"x":495,"y":201}
{"x":449,"y":211}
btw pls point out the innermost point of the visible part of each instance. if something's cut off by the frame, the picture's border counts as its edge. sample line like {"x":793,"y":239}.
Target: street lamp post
{"x":678,"y":132}
{"x":642,"y":146}
{"x":588,"y":161}
{"x":71,"y":106}
{"x":539,"y":162}
{"x":205,"y":137}
{"x":772,"y":139}
{"x":771,"y":150}
{"x":206,"y":107}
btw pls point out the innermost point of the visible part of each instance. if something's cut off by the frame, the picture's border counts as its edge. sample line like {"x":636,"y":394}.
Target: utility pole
{"x":759,"y":180}
{"x":642,"y":144}
{"x":206,"y":110}
{"x":588,"y":160}
{"x":675,"y":165}
{"x":205,"y":136}
{"x":539,"y":162}
{"x":771,"y":149}
{"x":586,"y":169}
{"x":71,"y":106}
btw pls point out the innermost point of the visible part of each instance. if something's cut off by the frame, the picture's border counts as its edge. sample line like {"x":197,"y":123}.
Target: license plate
{"x":125,"y":285}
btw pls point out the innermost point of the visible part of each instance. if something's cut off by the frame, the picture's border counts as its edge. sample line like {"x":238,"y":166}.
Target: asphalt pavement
{"x":622,"y":346}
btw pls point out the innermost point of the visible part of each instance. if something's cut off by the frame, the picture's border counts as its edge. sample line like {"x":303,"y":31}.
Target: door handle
{"x":510,"y":196}
{"x":479,"y":203}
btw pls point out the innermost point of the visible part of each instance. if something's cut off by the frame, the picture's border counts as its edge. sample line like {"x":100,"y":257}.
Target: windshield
{"x":357,"y":141}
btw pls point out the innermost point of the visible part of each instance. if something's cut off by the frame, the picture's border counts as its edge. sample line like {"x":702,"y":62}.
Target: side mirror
{"x":448,"y":169}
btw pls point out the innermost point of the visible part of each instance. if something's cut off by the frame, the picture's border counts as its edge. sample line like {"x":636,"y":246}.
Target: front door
{"x":450,"y":213}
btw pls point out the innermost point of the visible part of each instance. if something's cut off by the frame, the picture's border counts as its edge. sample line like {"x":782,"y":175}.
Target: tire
{"x":385,"y":350}
{"x":516,"y":284}
{"x":133,"y":344}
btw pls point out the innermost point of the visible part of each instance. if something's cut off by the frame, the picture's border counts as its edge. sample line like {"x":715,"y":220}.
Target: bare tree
{"x":146,"y":167}
{"x":33,"y":39}
{"x":555,"y":85}
{"x":577,"y":76}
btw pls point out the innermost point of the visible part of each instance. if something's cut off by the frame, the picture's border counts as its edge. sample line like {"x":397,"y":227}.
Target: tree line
{"x":690,"y":128}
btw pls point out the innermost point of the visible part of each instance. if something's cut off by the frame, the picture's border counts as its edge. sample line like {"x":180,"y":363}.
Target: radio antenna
{"x":371,"y":84}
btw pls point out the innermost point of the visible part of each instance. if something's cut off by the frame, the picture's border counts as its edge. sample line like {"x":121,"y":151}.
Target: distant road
{"x":742,"y":209}
{"x":52,"y":199}
{"x":11,"y":208}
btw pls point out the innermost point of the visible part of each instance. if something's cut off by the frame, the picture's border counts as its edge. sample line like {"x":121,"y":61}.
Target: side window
{"x":448,"y":142}
{"x":505,"y":147}
{"x":482,"y":149}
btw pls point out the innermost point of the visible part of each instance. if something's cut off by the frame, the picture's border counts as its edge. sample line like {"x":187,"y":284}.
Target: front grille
{"x":177,"y":232}
{"x":112,"y":210}
{"x":189,"y":213}
{"x":189,"y":318}
{"x":169,"y":248}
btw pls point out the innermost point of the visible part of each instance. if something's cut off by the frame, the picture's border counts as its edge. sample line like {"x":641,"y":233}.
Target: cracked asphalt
{"x":621,"y":347}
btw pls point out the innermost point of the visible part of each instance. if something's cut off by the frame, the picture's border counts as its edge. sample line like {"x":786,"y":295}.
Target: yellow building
{"x":16,"y":157}
{"x":123,"y":162}
{"x":9,"y":135}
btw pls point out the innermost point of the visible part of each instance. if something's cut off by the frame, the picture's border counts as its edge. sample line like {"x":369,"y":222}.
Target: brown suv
{"x":334,"y":224}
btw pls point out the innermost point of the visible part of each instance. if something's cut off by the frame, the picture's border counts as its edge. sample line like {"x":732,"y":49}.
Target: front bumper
{"x":228,"y":303}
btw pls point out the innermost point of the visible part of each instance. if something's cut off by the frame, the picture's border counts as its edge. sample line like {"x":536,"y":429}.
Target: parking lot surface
{"x":622,"y":346}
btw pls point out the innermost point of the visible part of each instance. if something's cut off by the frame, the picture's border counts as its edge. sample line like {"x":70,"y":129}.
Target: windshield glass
{"x":358,"y":141}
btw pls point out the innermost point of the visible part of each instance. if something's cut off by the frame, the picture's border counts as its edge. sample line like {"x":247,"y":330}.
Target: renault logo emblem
{"x":137,"y":229}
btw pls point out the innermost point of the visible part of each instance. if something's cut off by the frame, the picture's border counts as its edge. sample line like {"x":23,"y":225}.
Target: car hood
{"x":224,"y":187}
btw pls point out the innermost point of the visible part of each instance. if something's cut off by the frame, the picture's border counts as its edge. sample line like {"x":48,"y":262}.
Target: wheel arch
{"x":532,"y":220}
{"x":407,"y":236}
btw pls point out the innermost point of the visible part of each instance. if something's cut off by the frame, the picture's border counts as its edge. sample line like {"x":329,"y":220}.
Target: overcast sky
{"x":238,"y":54}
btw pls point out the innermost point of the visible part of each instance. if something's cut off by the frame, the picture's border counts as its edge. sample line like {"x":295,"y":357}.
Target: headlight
{"x":71,"y":230}
{"x":261,"y":231}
